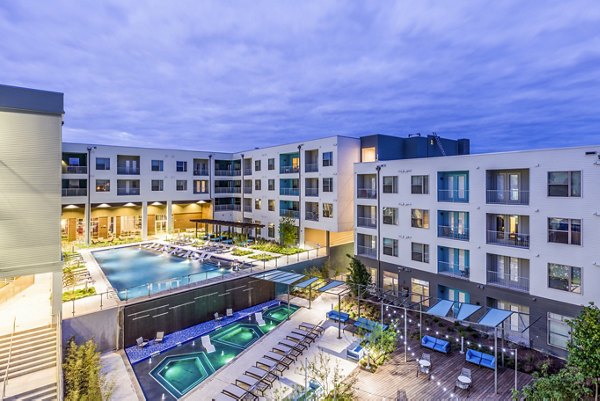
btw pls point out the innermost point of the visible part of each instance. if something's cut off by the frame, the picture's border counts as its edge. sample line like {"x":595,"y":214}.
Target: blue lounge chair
{"x":338,"y":316}
{"x":480,"y":359}
{"x":435,"y":344}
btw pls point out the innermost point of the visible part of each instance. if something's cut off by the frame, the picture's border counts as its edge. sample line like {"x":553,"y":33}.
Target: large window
{"x":420,"y":252}
{"x":368,"y":155}
{"x":327,"y":159}
{"x":157,"y":165}
{"x":559,"y":332}
{"x":390,"y":185}
{"x":157,"y":185}
{"x":564,"y":183}
{"x":256,"y":165}
{"x":271,"y":184}
{"x":565,"y":278}
{"x":271,"y":166}
{"x":102,"y":185}
{"x":327,"y":184}
{"x":328,"y":210}
{"x":419,"y":218}
{"x":181,"y":166}
{"x":102,"y":163}
{"x":257,"y":185}
{"x":271,"y":230}
{"x":419,"y":184}
{"x":390,"y":215}
{"x":420,"y":291}
{"x":390,"y":247}
{"x":271,"y":205}
{"x":182,"y":185}
{"x":564,"y":231}
{"x":257,"y":204}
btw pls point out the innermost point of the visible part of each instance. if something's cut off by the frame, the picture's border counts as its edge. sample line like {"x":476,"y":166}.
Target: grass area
{"x":241,"y":252}
{"x":276,"y":248}
{"x":262,"y":256}
{"x":77,"y":294}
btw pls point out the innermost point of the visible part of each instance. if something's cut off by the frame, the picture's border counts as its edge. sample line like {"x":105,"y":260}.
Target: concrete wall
{"x":102,"y":326}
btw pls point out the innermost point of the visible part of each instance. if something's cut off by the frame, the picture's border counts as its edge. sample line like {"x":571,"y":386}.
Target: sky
{"x":231,"y":75}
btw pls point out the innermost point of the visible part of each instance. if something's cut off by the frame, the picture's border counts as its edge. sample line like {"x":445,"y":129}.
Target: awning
{"x":466,"y":310}
{"x":331,"y":285}
{"x":494,"y":317}
{"x":441,"y":309}
{"x":279,"y":276}
{"x":306,"y":283}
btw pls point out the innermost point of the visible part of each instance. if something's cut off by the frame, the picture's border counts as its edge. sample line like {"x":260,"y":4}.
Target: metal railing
{"x":247,"y":208}
{"x":518,"y":240}
{"x":453,"y":232}
{"x":224,"y":208}
{"x":128,"y":191}
{"x":288,"y":169}
{"x":312,"y":216}
{"x":453,"y":269}
{"x":369,"y":222}
{"x":248,"y":171}
{"x":10,"y":349}
{"x":311,"y":167}
{"x":228,"y":172}
{"x":74,"y":169}
{"x":289,"y":191}
{"x":227,"y":190}
{"x":507,"y":197}
{"x":311,"y":191}
{"x":128,"y":170}
{"x":507,"y":281}
{"x":248,"y":190}
{"x":200,"y":191}
{"x":366,"y":193}
{"x":74,"y":191}
{"x":294,"y":214}
{"x":366,"y":251}
{"x":453,"y":195}
{"x":201,"y":171}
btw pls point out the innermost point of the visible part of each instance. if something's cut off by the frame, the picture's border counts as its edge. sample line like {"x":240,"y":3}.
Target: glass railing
{"x":453,"y":269}
{"x":502,"y":280}
{"x":200,"y":191}
{"x":366,"y":251}
{"x":453,"y":195}
{"x":366,"y":193}
{"x":311,"y":167}
{"x":200,"y":171}
{"x":453,"y":232}
{"x":508,"y":197}
{"x":128,"y":191}
{"x":128,"y":170}
{"x":288,"y":169}
{"x":74,"y":191}
{"x":289,"y":191}
{"x":247,"y":208}
{"x":224,"y":208}
{"x":370,"y":222}
{"x":518,"y":240}
{"x":228,"y":172}
{"x":311,"y":191}
{"x":248,"y":171}
{"x":294,"y":214}
{"x":312,"y":216}
{"x":227,"y":190}
{"x":74,"y":169}
{"x":247,"y":190}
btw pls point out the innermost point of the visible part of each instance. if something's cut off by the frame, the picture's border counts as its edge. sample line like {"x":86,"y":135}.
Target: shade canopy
{"x":441,"y":309}
{"x":237,"y":224}
{"x":494,"y":317}
{"x":280,"y":276}
{"x":466,"y":310}
{"x":331,"y":285}
{"x":306,"y":283}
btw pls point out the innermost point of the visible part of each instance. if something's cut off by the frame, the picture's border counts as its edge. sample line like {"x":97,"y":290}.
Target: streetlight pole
{"x":378,"y":194}
{"x":88,"y":206}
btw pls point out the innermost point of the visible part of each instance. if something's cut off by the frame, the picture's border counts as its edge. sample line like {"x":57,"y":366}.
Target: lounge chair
{"x":284,"y":360}
{"x":237,"y":392}
{"x":298,"y":338}
{"x":141,"y":342}
{"x":259,"y":319}
{"x":317,"y":328}
{"x":463,"y":381}
{"x":252,"y":384}
{"x":229,"y":312}
{"x":207,"y":344}
{"x":287,"y":351}
{"x":160,"y":336}
{"x":186,"y":254}
{"x":271,"y":365}
{"x":261,"y":374}
{"x":295,"y":345}
{"x":309,"y":335}
{"x":218,"y":317}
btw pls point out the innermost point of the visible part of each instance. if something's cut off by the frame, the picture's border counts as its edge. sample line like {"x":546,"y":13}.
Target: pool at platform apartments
{"x":511,"y":230}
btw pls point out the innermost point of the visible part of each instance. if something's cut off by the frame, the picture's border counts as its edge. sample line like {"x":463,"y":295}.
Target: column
{"x":86,"y":223}
{"x":144,"y":220}
{"x":328,"y":243}
{"x":169,"y":216}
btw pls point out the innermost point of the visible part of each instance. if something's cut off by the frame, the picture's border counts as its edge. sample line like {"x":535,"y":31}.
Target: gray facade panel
{"x":33,"y":100}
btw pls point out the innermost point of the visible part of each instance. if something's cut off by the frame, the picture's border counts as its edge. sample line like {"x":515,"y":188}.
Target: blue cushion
{"x":488,"y":361}
{"x":473,"y":356}
{"x":335,"y":315}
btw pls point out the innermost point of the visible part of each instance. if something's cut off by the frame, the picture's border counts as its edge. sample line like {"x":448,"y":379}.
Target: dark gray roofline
{"x":31,"y":100}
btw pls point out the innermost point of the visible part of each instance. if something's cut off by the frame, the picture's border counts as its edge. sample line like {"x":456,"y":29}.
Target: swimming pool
{"x":177,"y":371}
{"x":134,"y":272}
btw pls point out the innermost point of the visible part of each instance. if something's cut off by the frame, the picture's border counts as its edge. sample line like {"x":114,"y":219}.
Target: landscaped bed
{"x":77,"y":294}
{"x":276,"y":248}
{"x":241,"y":252}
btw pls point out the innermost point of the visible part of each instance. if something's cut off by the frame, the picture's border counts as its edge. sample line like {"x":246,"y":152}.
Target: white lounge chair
{"x":160,"y":336}
{"x":207,"y":344}
{"x":141,"y":342}
{"x":186,"y":254}
{"x":259,"y":319}
{"x":229,"y":312}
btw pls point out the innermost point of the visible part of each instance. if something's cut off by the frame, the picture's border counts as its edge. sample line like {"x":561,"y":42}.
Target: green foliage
{"x":323,"y":272}
{"x":329,"y":374}
{"x":69,"y":278}
{"x":584,"y":348}
{"x":383,"y":342}
{"x":288,"y":231}
{"x":358,"y":277}
{"x":241,"y":252}
{"x":83,"y":379}
{"x":79,"y":293}
{"x":273,"y":247}
{"x":262,"y":257}
{"x":566,"y":385}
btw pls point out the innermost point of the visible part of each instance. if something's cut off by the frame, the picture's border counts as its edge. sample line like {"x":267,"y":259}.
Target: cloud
{"x":235,"y":75}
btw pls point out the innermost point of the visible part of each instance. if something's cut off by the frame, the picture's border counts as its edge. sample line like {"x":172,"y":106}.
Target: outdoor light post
{"x":88,"y":206}
{"x":378,"y":194}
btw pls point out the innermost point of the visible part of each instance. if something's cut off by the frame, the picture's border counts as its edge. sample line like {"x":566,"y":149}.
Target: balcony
{"x":228,"y":190}
{"x":518,"y":240}
{"x":288,"y":169}
{"x":453,"y":232}
{"x":311,"y":191}
{"x":452,"y":269}
{"x":312,"y":216}
{"x":228,"y":172}
{"x":200,"y":191}
{"x":289,"y":191}
{"x":128,"y":191}
{"x":507,"y":197}
{"x":247,"y":208}
{"x":311,"y":167}
{"x":74,"y":169}
{"x":369,"y":222}
{"x":200,"y":171}
{"x":294,"y":214}
{"x":228,"y":207}
{"x":453,"y":195}
{"x":367,"y":251}
{"x":74,"y":192}
{"x":127,"y":170}
{"x":366,"y":193}
{"x":248,"y":171}
{"x":500,"y":280}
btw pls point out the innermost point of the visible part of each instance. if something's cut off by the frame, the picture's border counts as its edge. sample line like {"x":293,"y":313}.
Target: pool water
{"x":136,"y":272}
{"x":186,"y":366}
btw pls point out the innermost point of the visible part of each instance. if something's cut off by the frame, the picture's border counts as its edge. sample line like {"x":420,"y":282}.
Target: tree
{"x":359,"y":276}
{"x":568,"y":384}
{"x":324,"y":272}
{"x":330,"y":376}
{"x":584,"y":347}
{"x":83,"y":378}
{"x":288,"y":232}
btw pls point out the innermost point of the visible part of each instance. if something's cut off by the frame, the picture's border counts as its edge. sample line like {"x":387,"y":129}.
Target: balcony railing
{"x":74,"y":191}
{"x":502,"y":280}
{"x":128,"y":170}
{"x":128,"y":191}
{"x":200,"y":171}
{"x":288,"y":169}
{"x":453,"y":195}
{"x":228,"y":172}
{"x":507,"y":197}
{"x":74,"y":169}
{"x":518,"y":240}
{"x":366,"y":193}
{"x":200,"y":191}
{"x":247,"y":208}
{"x":248,"y":171}
{"x":294,"y":214}
{"x":247,"y":190}
{"x":312,"y":216}
{"x":370,"y":222}
{"x":224,"y":208}
{"x":453,"y":233}
{"x":311,"y":167}
{"x":227,"y":190}
{"x":311,"y":191}
{"x":366,"y":251}
{"x":289,"y":191}
{"x":452,"y":269}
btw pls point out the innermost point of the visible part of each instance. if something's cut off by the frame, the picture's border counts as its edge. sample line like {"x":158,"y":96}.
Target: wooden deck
{"x":398,"y":375}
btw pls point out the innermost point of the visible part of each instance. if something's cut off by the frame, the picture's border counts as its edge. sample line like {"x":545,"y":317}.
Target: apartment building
{"x":516,"y":230}
{"x":30,"y":251}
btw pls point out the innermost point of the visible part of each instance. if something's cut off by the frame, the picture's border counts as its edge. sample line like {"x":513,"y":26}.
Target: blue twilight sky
{"x":229,"y":75}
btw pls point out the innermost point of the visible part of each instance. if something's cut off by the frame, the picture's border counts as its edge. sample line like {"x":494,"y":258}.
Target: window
{"x":257,"y":230}
{"x":390,"y":247}
{"x":157,"y":165}
{"x":271,"y":164}
{"x":559,"y":332}
{"x":102,"y":163}
{"x":420,"y":291}
{"x":327,"y":159}
{"x":420,"y":252}
{"x":102,"y":185}
{"x":565,"y":278}
{"x":257,"y":204}
{"x":157,"y":185}
{"x":390,"y":215}
{"x":182,"y":185}
{"x":201,"y":186}
{"x":564,"y":183}
{"x":271,"y":230}
{"x":564,"y":231}
{"x":368,"y":155}
{"x":181,"y":167}
{"x":271,"y":184}
{"x":419,"y":218}
{"x":257,"y":185}
{"x":419,"y":184}
{"x":271,"y":205}
{"x":390,"y":185}
{"x":328,"y":210}
{"x":327,"y":184}
{"x":256,"y":165}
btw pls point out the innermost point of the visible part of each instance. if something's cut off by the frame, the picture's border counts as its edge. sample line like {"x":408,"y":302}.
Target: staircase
{"x":32,"y":351}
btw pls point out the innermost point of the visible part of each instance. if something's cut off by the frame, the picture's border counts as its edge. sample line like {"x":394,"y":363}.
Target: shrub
{"x":241,"y":252}
{"x":79,"y":293}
